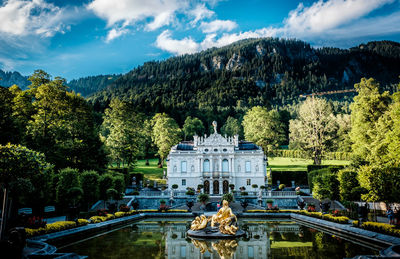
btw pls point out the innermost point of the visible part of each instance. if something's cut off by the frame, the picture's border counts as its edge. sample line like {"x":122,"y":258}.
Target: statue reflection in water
{"x":225,"y":248}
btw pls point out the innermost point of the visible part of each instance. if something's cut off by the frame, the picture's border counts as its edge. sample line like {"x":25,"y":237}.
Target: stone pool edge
{"x":70,"y":235}
{"x":91,"y":229}
{"x":348,"y":230}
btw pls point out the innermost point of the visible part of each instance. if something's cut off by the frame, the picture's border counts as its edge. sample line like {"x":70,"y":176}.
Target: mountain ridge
{"x":250,"y":72}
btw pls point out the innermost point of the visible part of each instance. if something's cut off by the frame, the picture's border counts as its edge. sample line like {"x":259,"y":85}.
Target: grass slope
{"x":297,"y":164}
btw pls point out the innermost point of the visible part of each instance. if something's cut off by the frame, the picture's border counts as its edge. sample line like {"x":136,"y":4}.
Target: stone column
{"x":211,"y":185}
{"x":220,"y":186}
{"x":220,"y":163}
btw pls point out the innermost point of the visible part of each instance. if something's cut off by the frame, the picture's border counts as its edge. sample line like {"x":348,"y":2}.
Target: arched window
{"x":206,"y":165}
{"x":225,"y":166}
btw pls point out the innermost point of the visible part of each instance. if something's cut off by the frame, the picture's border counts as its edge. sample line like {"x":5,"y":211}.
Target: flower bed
{"x":382,"y":228}
{"x":329,"y":217}
{"x":55,"y":227}
{"x":319,"y":215}
{"x":271,"y":211}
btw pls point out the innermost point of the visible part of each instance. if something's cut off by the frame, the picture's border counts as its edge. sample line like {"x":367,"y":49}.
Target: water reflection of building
{"x":257,"y":245}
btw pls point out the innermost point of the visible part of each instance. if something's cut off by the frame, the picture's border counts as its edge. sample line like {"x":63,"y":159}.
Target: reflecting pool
{"x":161,"y":238}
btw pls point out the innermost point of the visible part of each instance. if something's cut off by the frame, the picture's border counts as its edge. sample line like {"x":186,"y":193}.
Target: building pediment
{"x":215,"y":139}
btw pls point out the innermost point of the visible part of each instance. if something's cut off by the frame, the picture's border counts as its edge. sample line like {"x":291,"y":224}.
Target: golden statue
{"x":225,"y":219}
{"x":223,"y":213}
{"x":199,"y":223}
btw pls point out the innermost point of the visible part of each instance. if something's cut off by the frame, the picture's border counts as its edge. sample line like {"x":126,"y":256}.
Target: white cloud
{"x":123,"y":13}
{"x":188,"y":46}
{"x":322,"y":16}
{"x":115,"y":33}
{"x":217,"y":25}
{"x":331,"y":21}
{"x":184,"y":46}
{"x":199,"y":13}
{"x":21,"y":18}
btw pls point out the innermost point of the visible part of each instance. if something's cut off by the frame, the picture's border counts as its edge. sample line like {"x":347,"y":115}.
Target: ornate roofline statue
{"x":214,"y":123}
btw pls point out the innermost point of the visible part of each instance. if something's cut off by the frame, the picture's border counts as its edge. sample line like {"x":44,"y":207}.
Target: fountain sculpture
{"x":223,"y":224}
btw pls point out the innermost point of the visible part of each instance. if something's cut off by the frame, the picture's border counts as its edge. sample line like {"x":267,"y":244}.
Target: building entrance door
{"x":206,"y":187}
{"x":216,"y":187}
{"x":225,"y":187}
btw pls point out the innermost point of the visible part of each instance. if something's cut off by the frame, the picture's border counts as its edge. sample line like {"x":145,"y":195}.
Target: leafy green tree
{"x":192,"y":126}
{"x":63,"y":126}
{"x":342,"y":142}
{"x":264,"y":128}
{"x":326,"y":186}
{"x":119,"y":183}
{"x":89,"y":181}
{"x":381,"y":183}
{"x":391,"y":135}
{"x":122,"y":129}
{"x":166,"y":133}
{"x":105,"y":183}
{"x":368,"y":106}
{"x":8,"y":126}
{"x":19,"y":164}
{"x":23,"y":111}
{"x":314,"y":129}
{"x":231,"y":127}
{"x":349,"y":187}
{"x":68,"y":179}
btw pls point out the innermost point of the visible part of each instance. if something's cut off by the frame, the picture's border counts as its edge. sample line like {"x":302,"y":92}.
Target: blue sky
{"x":73,"y":39}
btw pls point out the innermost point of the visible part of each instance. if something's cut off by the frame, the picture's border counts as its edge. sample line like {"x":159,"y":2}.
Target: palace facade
{"x":216,"y":162}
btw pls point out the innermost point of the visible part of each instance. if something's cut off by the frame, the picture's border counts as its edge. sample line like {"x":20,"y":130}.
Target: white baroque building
{"x":216,"y":162}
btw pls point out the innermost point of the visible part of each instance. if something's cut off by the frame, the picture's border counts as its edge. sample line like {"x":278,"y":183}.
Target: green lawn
{"x":151,"y":172}
{"x":297,"y":164}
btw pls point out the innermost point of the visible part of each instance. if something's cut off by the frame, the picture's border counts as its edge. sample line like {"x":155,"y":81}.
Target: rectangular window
{"x":248,"y":166}
{"x":183,"y":182}
{"x":183,"y":167}
{"x":225,"y":166}
{"x":248,"y":182}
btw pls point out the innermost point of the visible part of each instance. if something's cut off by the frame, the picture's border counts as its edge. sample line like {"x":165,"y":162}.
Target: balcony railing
{"x":216,"y":174}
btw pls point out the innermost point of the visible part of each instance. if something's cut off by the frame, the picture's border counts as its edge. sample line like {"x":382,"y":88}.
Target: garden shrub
{"x":286,"y":177}
{"x":381,"y":228}
{"x":82,"y":222}
{"x":50,"y":228}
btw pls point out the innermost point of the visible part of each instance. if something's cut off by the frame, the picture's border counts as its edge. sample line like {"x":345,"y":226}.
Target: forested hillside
{"x":13,"y":78}
{"x":88,"y":85}
{"x":247,"y":73}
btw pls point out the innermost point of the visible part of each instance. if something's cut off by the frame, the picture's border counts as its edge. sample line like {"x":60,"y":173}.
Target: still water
{"x":161,"y":238}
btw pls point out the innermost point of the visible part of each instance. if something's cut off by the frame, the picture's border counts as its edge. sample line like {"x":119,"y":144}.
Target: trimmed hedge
{"x":304,"y":155}
{"x":314,"y":170}
{"x":286,"y":177}
{"x":333,"y":168}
